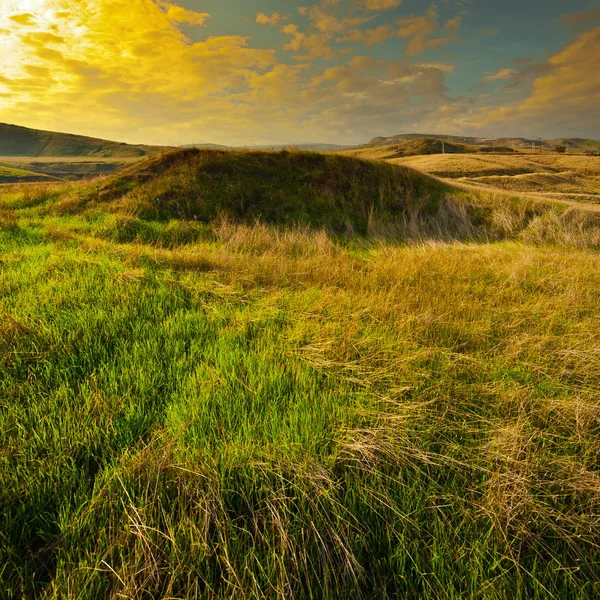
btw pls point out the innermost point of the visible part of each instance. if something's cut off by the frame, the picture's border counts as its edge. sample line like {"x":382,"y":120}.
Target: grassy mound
{"x":299,"y":188}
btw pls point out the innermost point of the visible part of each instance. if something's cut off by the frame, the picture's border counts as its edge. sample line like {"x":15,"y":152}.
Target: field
{"x":27,"y":168}
{"x":570,"y":177}
{"x":476,"y":144}
{"x":293,"y":375}
{"x":16,"y":175}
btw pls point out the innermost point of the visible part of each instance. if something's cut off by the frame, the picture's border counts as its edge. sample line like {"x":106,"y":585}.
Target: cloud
{"x":369,"y":37}
{"x":327,"y":21}
{"x":419,"y":29}
{"x":316,"y":45}
{"x":381,"y":4}
{"x":500,"y":75}
{"x":273,"y":20}
{"x":177,"y":14}
{"x":23,"y":19}
{"x":585,"y":17}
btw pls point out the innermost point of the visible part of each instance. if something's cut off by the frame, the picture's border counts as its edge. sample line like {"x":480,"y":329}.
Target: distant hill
{"x":494,"y":144}
{"x":22,"y":141}
{"x":422,"y":146}
{"x":436,"y":146}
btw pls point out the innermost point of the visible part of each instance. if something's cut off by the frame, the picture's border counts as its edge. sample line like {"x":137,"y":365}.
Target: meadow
{"x":23,"y":169}
{"x":574,"y":177}
{"x":12,"y":174}
{"x":295,"y":375}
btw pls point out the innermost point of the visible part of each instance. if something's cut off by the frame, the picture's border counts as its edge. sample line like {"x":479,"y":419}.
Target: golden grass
{"x":568,"y":178}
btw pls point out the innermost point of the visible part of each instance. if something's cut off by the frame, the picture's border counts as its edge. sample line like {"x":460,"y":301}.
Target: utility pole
{"x":443,"y":148}
{"x":533,"y":146}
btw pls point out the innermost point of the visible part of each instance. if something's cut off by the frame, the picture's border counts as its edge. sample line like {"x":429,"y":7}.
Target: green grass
{"x":66,"y":168}
{"x":11,"y":172}
{"x":227,"y":408}
{"x":15,"y":175}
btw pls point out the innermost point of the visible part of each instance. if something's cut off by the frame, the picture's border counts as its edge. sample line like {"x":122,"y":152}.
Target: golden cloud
{"x":274,"y":19}
{"x":370,"y":37}
{"x":328,"y":22}
{"x":125,"y":69}
{"x":381,"y":4}
{"x":23,"y":19}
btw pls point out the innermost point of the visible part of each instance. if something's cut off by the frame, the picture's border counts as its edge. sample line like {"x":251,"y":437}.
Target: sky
{"x":251,"y":72}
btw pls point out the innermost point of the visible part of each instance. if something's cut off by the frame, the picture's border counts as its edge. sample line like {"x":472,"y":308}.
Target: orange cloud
{"x":273,"y":20}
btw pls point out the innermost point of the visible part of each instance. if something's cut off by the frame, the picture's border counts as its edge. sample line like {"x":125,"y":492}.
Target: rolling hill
{"x":421,"y":146}
{"x":573,"y":177}
{"x":578,"y":145}
{"x":22,"y":141}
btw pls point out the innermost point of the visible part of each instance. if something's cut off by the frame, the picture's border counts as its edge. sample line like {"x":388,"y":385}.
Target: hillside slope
{"x":22,"y":141}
